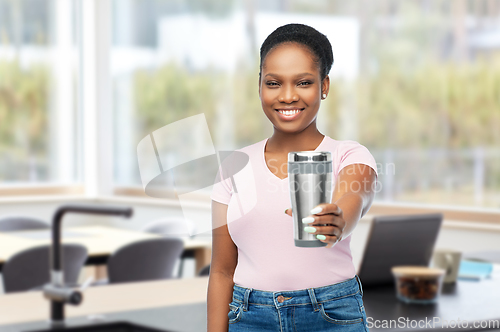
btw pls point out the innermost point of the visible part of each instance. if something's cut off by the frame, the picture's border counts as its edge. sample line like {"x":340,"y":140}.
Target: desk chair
{"x":205,"y":271}
{"x":19,"y":223}
{"x":29,"y":269}
{"x":145,"y":260}
{"x":172,"y":227}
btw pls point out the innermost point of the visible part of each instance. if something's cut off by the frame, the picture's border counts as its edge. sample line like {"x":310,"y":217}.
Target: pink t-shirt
{"x":267,"y":256}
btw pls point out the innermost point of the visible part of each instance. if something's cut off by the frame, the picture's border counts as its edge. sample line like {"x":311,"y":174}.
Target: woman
{"x":259,"y":280}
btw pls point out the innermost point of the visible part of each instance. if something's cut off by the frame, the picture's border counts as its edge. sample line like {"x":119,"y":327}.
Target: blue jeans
{"x":337,"y":307}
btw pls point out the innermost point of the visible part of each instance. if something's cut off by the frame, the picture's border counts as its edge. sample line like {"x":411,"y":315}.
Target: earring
{"x":324,"y":95}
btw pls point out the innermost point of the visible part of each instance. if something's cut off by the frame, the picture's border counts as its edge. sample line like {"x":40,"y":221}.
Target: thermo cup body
{"x":310,"y":183}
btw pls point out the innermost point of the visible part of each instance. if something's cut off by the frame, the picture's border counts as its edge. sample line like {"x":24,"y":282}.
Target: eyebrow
{"x":298,"y":75}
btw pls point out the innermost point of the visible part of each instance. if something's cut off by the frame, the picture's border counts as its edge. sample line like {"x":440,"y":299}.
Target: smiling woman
{"x":291,"y":87}
{"x":259,"y":280}
{"x":293,"y":76}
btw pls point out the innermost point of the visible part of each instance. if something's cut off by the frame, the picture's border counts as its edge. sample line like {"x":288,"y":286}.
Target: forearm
{"x":219,"y":295}
{"x":354,"y":207}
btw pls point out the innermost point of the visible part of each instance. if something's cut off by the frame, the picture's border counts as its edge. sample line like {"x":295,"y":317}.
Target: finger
{"x":330,"y":240}
{"x":323,"y":230}
{"x":326,"y":208}
{"x":331,"y":244}
{"x":288,"y":211}
{"x":328,"y":219}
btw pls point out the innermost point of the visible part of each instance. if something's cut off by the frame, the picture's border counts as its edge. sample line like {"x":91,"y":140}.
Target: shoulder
{"x":349,"y":152}
{"x":338,"y":147}
{"x":242,"y":155}
{"x":349,"y":145}
{"x":253,"y":148}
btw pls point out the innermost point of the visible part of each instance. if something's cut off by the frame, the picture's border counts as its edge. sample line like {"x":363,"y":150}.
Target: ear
{"x":259,"y":87}
{"x":325,"y":85}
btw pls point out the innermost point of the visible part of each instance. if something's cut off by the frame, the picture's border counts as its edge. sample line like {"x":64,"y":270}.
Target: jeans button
{"x":281,"y":299}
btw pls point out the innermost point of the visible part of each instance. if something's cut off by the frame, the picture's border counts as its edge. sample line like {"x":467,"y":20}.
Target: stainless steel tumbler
{"x":310,"y":181}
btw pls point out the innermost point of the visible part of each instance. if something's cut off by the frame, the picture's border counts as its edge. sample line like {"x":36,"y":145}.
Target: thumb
{"x":288,"y":211}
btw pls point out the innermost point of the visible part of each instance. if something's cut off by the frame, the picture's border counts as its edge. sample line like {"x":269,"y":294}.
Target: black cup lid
{"x":309,"y":156}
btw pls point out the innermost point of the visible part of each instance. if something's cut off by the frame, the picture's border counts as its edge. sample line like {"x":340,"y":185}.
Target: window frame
{"x":95,"y":107}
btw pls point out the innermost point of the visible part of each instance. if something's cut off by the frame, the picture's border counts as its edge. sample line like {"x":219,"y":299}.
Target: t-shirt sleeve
{"x":351,"y":152}
{"x":222,"y":188}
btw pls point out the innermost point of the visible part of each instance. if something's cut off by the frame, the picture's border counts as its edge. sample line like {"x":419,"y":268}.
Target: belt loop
{"x":313,"y":299}
{"x":245,"y":299}
{"x":359,"y":283}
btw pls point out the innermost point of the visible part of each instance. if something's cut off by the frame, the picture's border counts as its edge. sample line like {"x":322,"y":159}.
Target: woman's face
{"x":290,"y":87}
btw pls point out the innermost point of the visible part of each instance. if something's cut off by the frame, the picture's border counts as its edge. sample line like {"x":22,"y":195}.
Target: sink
{"x":104,"y":327}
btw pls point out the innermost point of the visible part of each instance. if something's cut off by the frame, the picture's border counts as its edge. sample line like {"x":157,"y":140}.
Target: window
{"x":415,"y":81}
{"x":38,"y":93}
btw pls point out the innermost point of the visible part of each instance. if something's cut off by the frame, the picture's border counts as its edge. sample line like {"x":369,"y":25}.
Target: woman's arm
{"x":353,"y":194}
{"x":352,"y":197}
{"x":223,"y":263}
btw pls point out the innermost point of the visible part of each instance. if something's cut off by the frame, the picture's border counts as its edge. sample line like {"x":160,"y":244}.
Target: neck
{"x":306,"y":140}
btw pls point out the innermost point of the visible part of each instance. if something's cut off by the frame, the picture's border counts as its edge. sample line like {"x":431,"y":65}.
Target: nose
{"x":288,"y":95}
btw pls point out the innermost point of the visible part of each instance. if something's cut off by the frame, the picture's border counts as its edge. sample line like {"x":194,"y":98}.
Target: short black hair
{"x":305,"y":35}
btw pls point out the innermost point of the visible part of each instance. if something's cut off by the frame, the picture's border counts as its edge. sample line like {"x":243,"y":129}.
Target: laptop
{"x":397,"y":240}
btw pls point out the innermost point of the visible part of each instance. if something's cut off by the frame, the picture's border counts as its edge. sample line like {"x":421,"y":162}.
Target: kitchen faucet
{"x":56,"y":291}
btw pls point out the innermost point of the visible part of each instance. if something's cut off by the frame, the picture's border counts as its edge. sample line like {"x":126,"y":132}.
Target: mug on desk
{"x":449,"y":260}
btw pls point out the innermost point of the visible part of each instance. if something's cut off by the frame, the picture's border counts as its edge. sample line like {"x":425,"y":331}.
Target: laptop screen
{"x":398,"y":240}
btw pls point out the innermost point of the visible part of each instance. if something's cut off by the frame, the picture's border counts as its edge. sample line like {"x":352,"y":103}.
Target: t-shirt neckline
{"x":263,"y":158}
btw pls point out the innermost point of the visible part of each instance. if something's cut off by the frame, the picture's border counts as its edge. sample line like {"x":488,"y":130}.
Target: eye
{"x":304,"y":83}
{"x":271,"y":83}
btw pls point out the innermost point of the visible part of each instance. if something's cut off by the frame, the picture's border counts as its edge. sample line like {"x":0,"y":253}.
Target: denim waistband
{"x":297,"y":297}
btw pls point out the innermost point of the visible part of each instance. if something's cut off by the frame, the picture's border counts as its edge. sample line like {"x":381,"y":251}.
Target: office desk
{"x":465,"y":300}
{"x":100,"y":241}
{"x":177,"y":304}
{"x":180,"y":304}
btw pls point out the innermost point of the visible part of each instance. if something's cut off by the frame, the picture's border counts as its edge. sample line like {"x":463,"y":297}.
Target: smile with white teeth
{"x":289,"y":112}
